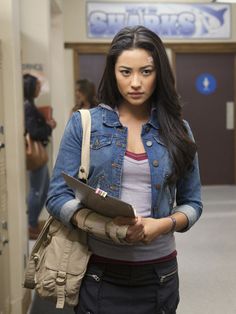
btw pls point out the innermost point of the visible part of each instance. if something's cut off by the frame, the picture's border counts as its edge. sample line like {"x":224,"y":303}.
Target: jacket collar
{"x":153,"y":119}
{"x":111,"y":117}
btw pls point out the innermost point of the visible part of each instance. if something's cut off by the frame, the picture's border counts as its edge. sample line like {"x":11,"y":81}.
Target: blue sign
{"x":168,"y":20}
{"x":205,"y":84}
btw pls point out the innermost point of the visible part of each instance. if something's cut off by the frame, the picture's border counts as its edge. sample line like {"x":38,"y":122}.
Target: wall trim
{"x":177,"y":47}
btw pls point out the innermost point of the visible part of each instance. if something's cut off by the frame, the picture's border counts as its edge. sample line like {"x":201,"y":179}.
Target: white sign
{"x":168,"y":20}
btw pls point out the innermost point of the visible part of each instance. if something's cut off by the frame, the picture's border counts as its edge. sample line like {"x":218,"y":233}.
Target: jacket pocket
{"x":99,"y":141}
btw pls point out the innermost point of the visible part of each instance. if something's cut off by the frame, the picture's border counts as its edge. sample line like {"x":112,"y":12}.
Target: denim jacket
{"x":108,"y":146}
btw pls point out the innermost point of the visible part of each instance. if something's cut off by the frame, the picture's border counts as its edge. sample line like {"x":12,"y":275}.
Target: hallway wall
{"x":12,"y":106}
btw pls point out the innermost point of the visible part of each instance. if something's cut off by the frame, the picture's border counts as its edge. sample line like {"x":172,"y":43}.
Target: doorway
{"x":206,"y":84}
{"x":89,"y":61}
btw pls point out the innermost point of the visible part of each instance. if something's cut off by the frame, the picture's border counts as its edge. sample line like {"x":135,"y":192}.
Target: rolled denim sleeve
{"x":188,"y":192}
{"x":61,"y":202}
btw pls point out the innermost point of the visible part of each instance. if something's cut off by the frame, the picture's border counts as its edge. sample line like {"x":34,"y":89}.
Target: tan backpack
{"x":59,"y":258}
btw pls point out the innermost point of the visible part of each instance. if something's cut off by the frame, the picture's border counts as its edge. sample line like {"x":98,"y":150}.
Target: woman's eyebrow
{"x":147,"y":66}
{"x":125,"y":67}
{"x":143,"y":67}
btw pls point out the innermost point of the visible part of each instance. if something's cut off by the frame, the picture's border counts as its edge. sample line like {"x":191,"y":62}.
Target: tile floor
{"x":207,"y":256}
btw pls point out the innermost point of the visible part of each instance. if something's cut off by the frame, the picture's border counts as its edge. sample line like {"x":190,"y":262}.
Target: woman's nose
{"x":135,"y":81}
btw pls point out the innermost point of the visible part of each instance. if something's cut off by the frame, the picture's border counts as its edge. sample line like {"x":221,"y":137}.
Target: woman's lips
{"x":135,"y":95}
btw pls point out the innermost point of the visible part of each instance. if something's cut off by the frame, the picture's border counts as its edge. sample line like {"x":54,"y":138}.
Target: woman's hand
{"x":52,"y":123}
{"x":135,"y":232}
{"x":144,"y":229}
{"x":153,"y":228}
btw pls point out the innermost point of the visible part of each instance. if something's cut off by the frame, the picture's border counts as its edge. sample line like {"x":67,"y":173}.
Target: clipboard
{"x":98,"y":200}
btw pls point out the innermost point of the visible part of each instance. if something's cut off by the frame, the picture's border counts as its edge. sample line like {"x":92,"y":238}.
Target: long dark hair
{"x":30,"y":83}
{"x":165,"y":98}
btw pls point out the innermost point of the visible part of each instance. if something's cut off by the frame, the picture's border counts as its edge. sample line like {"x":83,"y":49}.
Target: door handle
{"x":229,"y":115}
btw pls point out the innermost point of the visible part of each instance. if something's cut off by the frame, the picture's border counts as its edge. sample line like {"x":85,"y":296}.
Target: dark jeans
{"x":39,"y":183}
{"x":126,"y":289}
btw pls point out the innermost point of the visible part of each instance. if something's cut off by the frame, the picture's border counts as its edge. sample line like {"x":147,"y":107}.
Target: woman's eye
{"x":125,"y":72}
{"x":146,"y":72}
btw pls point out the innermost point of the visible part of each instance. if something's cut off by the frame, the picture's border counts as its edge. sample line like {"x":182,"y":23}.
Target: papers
{"x":98,"y":200}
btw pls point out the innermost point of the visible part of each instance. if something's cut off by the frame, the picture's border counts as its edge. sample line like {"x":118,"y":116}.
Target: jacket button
{"x":114,"y":165}
{"x":149,"y":143}
{"x":158,"y":186}
{"x":113,"y":187}
{"x":155,"y":163}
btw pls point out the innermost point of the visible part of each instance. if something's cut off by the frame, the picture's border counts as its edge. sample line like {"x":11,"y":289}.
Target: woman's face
{"x":80,"y":97}
{"x":37,"y":88}
{"x":135,"y":76}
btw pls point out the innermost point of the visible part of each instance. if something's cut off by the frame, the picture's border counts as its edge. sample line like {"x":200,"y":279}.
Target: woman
{"x":39,"y":130}
{"x":142,"y":152}
{"x":85,"y":95}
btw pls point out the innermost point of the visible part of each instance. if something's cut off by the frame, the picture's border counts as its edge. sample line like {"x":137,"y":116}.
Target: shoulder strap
{"x":85,"y":150}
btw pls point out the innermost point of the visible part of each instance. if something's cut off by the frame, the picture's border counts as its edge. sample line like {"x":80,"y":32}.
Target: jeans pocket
{"x":89,"y":297}
{"x":168,"y":288}
{"x":168,"y":276}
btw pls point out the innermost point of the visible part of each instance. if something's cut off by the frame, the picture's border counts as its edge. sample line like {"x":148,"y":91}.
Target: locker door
{"x":4,"y":251}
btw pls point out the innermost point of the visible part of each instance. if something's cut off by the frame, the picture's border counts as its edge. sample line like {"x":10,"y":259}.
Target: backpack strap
{"x":29,"y":279}
{"x":85,"y":152}
{"x":61,"y":275}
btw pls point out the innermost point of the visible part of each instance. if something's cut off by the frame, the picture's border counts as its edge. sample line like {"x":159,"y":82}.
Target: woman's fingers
{"x":135,"y":233}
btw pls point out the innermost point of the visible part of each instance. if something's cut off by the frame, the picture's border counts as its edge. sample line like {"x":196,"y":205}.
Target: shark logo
{"x":212,"y":19}
{"x":168,"y":21}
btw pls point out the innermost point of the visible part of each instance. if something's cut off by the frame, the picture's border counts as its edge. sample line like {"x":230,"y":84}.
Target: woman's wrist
{"x":176,"y":222}
{"x":169,"y":224}
{"x":173,"y":220}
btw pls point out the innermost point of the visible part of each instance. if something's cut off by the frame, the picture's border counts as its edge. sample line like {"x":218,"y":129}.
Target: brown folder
{"x":98,"y":200}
